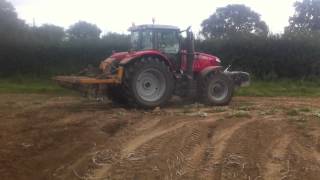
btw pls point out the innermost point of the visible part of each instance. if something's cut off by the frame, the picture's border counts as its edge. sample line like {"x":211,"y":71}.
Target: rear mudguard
{"x":138,"y":55}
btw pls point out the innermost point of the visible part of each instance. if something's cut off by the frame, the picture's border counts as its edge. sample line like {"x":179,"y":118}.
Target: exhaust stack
{"x":190,"y":53}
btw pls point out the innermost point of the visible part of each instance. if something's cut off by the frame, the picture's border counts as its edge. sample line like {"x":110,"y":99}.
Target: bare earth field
{"x":51,"y":137}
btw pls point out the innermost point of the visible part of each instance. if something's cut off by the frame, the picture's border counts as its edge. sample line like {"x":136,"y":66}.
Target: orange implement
{"x":112,"y":79}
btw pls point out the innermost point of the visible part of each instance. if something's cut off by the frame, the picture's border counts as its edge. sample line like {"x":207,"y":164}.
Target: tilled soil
{"x":50,"y":137}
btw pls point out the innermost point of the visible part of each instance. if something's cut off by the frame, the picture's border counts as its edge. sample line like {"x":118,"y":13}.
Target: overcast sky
{"x":118,"y":15}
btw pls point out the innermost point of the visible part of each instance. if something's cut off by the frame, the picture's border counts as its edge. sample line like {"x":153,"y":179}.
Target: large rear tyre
{"x":216,"y":89}
{"x":149,"y":82}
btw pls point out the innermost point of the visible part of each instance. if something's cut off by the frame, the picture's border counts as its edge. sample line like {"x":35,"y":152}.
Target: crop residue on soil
{"x":48,"y":137}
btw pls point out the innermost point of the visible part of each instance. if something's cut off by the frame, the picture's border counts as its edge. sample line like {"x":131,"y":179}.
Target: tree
{"x":7,"y":12}
{"x":306,"y":18}
{"x":117,"y":39}
{"x":10,"y":26}
{"x":233,"y":20}
{"x":83,"y":31}
{"x":50,"y":33}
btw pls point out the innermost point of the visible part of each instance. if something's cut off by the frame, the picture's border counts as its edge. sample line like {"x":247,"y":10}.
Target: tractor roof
{"x":153,"y":26}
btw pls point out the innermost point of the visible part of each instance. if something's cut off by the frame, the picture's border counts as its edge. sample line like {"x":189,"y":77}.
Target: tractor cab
{"x":167,"y":40}
{"x":156,"y":37}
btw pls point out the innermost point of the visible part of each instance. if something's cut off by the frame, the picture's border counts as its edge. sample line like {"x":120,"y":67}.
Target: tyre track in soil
{"x":278,"y":153}
{"x":304,"y":155}
{"x":147,"y":131}
{"x":216,"y":146}
{"x":155,"y":146}
{"x":292,"y":155}
{"x":165,"y":159}
{"x":251,"y":150}
{"x":198,"y":145}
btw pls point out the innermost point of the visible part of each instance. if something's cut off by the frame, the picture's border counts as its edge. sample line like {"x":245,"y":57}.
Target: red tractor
{"x":160,"y":64}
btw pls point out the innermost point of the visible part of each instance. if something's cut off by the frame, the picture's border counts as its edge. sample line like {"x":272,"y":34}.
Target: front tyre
{"x":216,"y":89}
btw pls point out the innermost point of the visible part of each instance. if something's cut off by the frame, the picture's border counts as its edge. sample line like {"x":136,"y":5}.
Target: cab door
{"x":167,"y":41}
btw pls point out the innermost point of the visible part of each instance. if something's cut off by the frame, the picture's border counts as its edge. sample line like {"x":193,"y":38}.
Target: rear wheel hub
{"x":151,"y":85}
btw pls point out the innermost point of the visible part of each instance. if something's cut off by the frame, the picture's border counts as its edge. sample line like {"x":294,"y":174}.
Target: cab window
{"x":168,"y":41}
{"x":135,"y":40}
{"x":146,"y":40}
